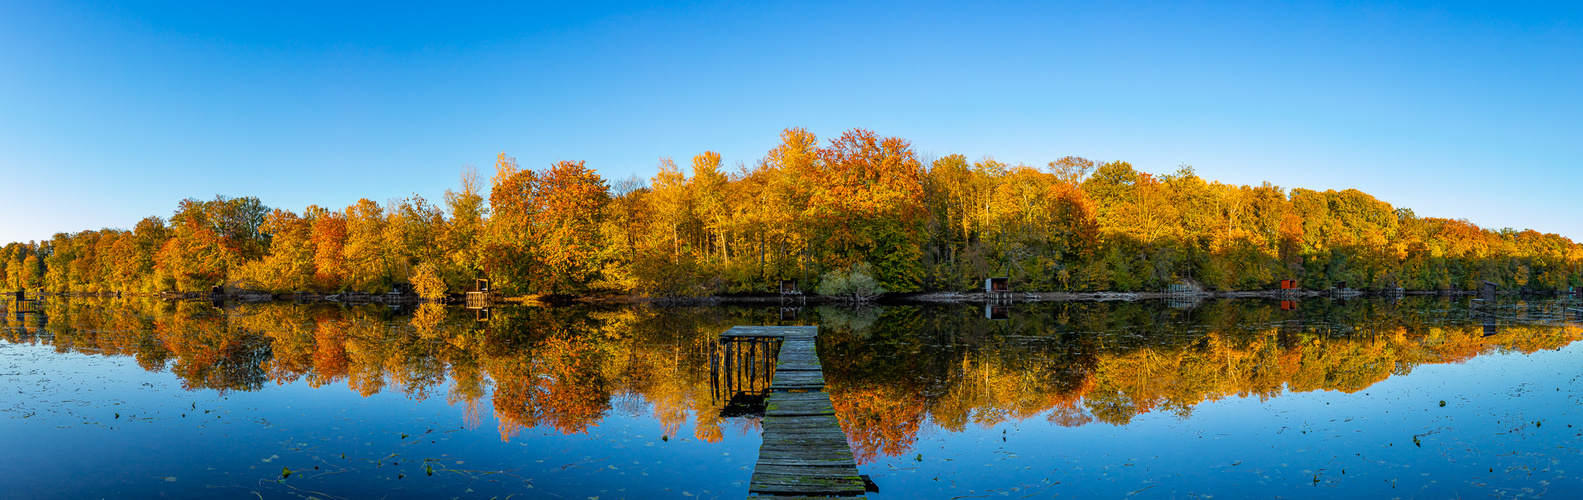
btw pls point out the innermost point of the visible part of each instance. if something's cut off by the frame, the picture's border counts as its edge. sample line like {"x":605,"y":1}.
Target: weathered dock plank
{"x":793,"y":470}
{"x":809,"y":433}
{"x":801,"y":367}
{"x":806,"y":427}
{"x":776,"y":420}
{"x":797,"y":377}
{"x":808,"y":486}
{"x":831,"y":428}
{"x":803,"y":399}
{"x":782,"y":449}
{"x":794,"y":475}
{"x":830,"y":462}
{"x":795,"y":409}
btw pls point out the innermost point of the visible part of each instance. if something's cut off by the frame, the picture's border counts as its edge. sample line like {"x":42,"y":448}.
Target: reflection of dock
{"x":804,"y":452}
{"x":740,"y":368}
{"x":19,"y":304}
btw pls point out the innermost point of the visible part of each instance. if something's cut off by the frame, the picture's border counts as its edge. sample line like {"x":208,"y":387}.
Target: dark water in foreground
{"x":1230,"y":399}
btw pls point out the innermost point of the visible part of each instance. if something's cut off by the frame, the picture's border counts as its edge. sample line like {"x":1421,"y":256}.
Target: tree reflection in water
{"x":892,"y":371}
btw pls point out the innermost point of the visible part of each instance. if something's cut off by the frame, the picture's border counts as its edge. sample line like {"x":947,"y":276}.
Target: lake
{"x":1417,"y":397}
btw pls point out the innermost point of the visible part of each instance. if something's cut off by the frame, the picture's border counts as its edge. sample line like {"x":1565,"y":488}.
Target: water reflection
{"x":895,"y":372}
{"x":741,"y":369}
{"x":892,"y":371}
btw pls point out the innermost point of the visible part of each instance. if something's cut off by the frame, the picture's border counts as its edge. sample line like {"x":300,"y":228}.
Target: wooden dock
{"x":805,"y":454}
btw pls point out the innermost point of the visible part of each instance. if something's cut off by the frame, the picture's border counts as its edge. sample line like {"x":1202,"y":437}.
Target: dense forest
{"x":858,"y":205}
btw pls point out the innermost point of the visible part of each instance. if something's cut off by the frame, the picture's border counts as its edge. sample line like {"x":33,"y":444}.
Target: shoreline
{"x":784,"y":300}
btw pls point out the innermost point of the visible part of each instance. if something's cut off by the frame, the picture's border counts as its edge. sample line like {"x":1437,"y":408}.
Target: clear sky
{"x":111,"y":112}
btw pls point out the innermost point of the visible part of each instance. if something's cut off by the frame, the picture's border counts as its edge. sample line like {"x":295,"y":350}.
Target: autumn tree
{"x":545,"y":232}
{"x":207,"y":240}
{"x":571,"y":201}
{"x":865,"y":205}
{"x":460,"y":239}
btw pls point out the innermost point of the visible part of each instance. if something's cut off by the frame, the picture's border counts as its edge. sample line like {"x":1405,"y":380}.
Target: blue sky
{"x":110,"y":112}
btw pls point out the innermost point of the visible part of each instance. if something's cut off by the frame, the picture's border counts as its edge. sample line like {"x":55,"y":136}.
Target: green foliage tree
{"x":856,"y":284}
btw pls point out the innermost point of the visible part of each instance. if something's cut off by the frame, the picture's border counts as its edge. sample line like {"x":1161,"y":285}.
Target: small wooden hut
{"x":478,"y":298}
{"x":997,"y":285}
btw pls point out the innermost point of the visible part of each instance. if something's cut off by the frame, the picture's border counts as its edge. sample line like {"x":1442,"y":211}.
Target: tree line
{"x":858,"y":207}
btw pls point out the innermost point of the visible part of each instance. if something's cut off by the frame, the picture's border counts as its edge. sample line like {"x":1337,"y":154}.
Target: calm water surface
{"x":1416,"y":398}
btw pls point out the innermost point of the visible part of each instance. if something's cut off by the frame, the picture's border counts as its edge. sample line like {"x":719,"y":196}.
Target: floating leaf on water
{"x":665,"y":438}
{"x":403,"y":436}
{"x":429,"y":469}
{"x":1442,"y":403}
{"x":285,"y":472}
